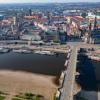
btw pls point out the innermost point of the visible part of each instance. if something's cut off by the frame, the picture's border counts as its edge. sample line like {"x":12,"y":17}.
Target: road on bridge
{"x":68,"y":86}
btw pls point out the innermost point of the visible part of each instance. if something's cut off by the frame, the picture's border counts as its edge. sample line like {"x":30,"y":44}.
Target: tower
{"x":14,"y":20}
{"x":30,"y":12}
{"x":95,"y":23}
{"x":89,"y":33}
{"x":49,"y":18}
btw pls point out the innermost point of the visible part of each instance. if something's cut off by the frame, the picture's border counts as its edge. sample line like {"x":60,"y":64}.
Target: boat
{"x":22,"y":51}
{"x":4,"y":50}
{"x":44,"y":52}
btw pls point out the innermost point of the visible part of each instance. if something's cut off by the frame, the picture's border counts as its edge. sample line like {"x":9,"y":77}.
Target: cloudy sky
{"x":29,"y":1}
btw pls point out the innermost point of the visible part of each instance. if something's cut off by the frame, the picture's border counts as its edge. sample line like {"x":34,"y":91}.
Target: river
{"x":34,"y":63}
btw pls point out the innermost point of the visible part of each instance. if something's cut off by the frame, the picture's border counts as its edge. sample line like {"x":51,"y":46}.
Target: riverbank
{"x":16,"y":82}
{"x":32,"y":73}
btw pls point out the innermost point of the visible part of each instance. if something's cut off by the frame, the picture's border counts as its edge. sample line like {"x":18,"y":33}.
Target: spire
{"x":90,"y":27}
{"x":30,"y":12}
{"x":95,"y":23}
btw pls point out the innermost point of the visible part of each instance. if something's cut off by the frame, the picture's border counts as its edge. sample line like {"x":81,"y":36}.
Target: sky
{"x":43,"y":1}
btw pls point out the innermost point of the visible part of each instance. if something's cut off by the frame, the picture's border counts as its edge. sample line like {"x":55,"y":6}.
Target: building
{"x":62,"y":37}
{"x":30,"y":12}
{"x":95,"y":36}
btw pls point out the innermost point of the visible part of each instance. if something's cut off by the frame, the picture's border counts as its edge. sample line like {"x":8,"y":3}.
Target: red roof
{"x":78,"y":18}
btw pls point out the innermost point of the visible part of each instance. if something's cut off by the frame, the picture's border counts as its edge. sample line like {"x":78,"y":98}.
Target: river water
{"x":34,"y":63}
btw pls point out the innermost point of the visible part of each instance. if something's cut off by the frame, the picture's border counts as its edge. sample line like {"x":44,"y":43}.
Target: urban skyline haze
{"x":45,"y":1}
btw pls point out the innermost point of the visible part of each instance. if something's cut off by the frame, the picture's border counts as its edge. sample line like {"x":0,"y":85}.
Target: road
{"x":67,"y":91}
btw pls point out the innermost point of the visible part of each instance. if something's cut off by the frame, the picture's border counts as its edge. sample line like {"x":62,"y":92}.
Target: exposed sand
{"x":16,"y":82}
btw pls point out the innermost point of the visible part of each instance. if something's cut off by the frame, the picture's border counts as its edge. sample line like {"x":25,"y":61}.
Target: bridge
{"x":68,"y":84}
{"x":66,"y":91}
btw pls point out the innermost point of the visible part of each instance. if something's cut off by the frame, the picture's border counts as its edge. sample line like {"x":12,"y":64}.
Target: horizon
{"x":47,"y":1}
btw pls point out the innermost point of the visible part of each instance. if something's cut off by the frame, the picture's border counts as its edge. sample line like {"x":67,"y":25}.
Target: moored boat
{"x":21,"y":51}
{"x":44,"y":52}
{"x":4,"y":50}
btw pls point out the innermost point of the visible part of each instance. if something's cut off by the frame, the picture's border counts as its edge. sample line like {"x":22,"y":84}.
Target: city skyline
{"x":45,"y":1}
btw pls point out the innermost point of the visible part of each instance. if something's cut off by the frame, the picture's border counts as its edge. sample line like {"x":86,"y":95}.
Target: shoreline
{"x":18,"y":81}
